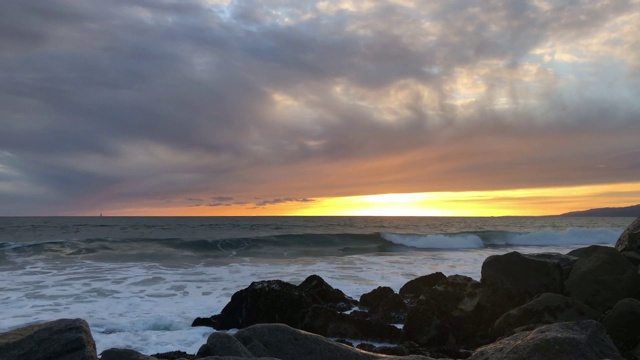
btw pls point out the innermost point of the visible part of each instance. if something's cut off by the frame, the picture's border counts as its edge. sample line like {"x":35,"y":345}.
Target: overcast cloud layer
{"x":108,"y":103}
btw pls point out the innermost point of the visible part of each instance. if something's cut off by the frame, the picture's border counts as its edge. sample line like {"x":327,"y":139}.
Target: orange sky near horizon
{"x":521,"y":202}
{"x":405,"y":108}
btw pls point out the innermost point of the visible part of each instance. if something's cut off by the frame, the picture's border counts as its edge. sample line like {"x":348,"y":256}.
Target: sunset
{"x":326,"y":180}
{"x":322,"y":108}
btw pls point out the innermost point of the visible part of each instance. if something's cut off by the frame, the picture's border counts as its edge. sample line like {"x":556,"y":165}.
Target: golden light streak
{"x":522,"y":202}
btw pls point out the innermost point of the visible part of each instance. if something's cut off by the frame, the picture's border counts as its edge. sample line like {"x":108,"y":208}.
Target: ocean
{"x":140,"y":281}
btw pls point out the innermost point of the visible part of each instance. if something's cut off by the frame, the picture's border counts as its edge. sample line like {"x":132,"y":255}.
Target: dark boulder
{"x":64,"y":339}
{"x":601,"y":277}
{"x":285,"y":343}
{"x":124,"y":354}
{"x":632,"y":256}
{"x":581,"y":340}
{"x":373,"y":298}
{"x":413,"y":289}
{"x":629,"y":240}
{"x":425,"y":326}
{"x":327,"y":322}
{"x":271,"y":301}
{"x":384,"y":305}
{"x":222,"y":344}
{"x":629,"y":243}
{"x":446,"y":315}
{"x":547,"y":308}
{"x":623,"y":324}
{"x":276,"y":301}
{"x":327,"y":295}
{"x":513,"y":279}
{"x":173,"y":355}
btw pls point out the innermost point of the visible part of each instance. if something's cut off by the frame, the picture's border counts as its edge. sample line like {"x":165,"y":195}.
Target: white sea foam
{"x":440,"y":241}
{"x":571,"y":236}
{"x":147,"y":303}
{"x":568,"y":237}
{"x":149,"y":308}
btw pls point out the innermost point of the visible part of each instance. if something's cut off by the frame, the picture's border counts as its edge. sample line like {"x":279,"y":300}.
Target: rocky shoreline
{"x":580,"y":305}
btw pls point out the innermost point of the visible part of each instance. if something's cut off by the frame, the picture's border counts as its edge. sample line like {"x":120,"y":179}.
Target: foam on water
{"x":439,"y":241}
{"x":149,"y":308}
{"x":143,"y":294}
{"x":568,"y":237}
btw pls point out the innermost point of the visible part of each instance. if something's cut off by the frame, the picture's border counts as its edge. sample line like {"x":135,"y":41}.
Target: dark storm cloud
{"x":116,"y":101}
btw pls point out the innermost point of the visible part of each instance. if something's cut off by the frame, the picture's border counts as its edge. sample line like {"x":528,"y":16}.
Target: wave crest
{"x":569,"y":237}
{"x":439,"y":241}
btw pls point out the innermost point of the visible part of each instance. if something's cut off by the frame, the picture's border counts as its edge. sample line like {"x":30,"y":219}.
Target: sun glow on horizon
{"x":521,"y":202}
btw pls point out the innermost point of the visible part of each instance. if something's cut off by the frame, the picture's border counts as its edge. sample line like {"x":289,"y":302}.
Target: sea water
{"x":140,"y":281}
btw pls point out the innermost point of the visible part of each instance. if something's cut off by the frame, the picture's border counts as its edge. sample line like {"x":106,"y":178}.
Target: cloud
{"x":264,"y":203}
{"x":126,"y":101}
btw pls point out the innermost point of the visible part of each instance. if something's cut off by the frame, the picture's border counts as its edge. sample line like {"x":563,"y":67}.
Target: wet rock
{"x":547,"y":308}
{"x":601,"y":277}
{"x":623,"y":324}
{"x":276,"y":301}
{"x":327,"y":322}
{"x":413,"y":289}
{"x":124,"y":354}
{"x":373,"y":298}
{"x":222,"y":344}
{"x":629,"y":240}
{"x":513,"y":279}
{"x":64,"y":339}
{"x":326,"y":295}
{"x":204,"y":321}
{"x":581,"y":340}
{"x":174,"y":355}
{"x":446,"y":315}
{"x":384,"y":305}
{"x":285,"y":343}
{"x":271,"y":301}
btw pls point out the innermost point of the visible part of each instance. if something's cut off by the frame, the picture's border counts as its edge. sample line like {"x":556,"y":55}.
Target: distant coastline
{"x":628,"y":211}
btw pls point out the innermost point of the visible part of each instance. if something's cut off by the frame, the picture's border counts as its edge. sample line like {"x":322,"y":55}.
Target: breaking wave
{"x":296,"y":245}
{"x":476,"y":240}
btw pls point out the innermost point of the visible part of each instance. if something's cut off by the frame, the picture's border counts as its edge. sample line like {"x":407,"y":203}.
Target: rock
{"x":124,"y":354}
{"x":373,"y":298}
{"x":327,"y":322}
{"x":581,"y":340}
{"x":623,"y":324}
{"x":384,"y":305}
{"x":632,"y":256}
{"x":271,"y":301}
{"x":201,"y":321}
{"x":629,"y":240}
{"x":326,"y":295}
{"x":222,"y":344}
{"x":65,"y":339}
{"x":547,"y":308}
{"x":513,"y":279}
{"x":425,"y":327}
{"x":601,"y":277}
{"x":285,"y":343}
{"x":446,"y":315}
{"x":174,"y":355}
{"x":235,"y":358}
{"x":412,"y":290}
{"x":276,"y":301}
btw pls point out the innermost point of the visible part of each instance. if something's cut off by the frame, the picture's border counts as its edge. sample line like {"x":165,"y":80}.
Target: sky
{"x":295,"y":107}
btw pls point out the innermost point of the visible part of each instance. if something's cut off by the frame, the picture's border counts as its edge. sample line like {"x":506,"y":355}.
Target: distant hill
{"x":629,"y":211}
